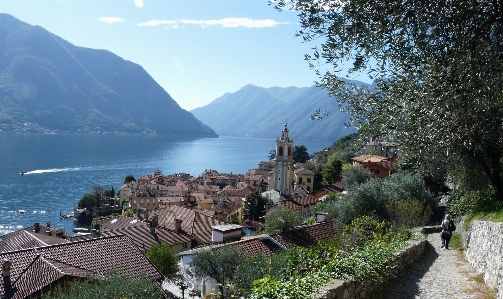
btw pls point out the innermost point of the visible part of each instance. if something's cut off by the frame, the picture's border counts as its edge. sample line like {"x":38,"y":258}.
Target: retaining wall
{"x":354,"y":290}
{"x":483,"y":244}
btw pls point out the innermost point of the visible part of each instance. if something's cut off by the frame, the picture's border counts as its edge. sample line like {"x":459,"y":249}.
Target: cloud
{"x":158,"y":22}
{"x":111,"y":20}
{"x":225,"y":23}
{"x":138,"y":3}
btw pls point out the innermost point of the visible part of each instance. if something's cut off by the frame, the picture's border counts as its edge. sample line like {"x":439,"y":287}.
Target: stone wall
{"x":484,"y":251}
{"x":354,"y":290}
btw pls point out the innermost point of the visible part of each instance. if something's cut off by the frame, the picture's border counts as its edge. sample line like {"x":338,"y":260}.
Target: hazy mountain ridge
{"x":54,"y":85}
{"x":262,"y":112}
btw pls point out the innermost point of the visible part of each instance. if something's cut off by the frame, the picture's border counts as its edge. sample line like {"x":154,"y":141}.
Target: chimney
{"x":37,"y":227}
{"x":152,"y":230}
{"x":178,"y":225}
{"x":226,"y":233}
{"x":321,"y":217}
{"x":48,"y":224}
{"x":93,"y":233}
{"x":6,"y":274}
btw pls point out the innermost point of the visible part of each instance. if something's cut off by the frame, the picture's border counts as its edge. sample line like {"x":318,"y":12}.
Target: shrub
{"x":409,"y":213}
{"x":363,"y":230}
{"x":355,"y":175}
{"x":113,"y":287}
{"x":282,"y":219}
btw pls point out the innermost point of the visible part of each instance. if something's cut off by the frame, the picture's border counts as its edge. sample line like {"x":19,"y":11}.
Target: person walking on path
{"x":438,"y":274}
{"x":447,"y":228}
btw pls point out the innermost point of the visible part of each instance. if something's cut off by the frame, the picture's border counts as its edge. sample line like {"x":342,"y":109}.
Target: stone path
{"x":440,"y":274}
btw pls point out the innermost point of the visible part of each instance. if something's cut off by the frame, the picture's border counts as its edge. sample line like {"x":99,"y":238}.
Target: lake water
{"x":62,"y":168}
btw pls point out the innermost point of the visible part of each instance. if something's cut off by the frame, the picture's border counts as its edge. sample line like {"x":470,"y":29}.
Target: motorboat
{"x":21,"y":211}
{"x":80,"y":229}
{"x":23,"y":172}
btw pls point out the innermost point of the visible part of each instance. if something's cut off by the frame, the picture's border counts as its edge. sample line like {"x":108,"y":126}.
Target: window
{"x":308,"y":181}
{"x":308,"y":188}
{"x":184,"y":245}
{"x":374,"y":171}
{"x":280,"y":151}
{"x":300,"y":180}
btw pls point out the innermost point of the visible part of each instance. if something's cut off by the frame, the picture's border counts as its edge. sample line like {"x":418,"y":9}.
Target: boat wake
{"x":49,"y":170}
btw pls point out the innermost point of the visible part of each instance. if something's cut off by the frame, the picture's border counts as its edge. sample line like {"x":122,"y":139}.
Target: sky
{"x":197,"y":50}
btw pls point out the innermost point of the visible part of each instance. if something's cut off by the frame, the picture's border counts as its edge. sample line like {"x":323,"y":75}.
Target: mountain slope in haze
{"x":49,"y":84}
{"x":262,"y":112}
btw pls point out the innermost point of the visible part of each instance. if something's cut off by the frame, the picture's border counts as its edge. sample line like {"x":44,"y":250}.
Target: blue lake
{"x":62,"y":168}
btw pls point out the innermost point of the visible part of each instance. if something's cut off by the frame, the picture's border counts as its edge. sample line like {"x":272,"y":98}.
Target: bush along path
{"x":441,"y":273}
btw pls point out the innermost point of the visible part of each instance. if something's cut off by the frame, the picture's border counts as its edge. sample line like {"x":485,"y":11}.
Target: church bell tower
{"x":284,"y":163}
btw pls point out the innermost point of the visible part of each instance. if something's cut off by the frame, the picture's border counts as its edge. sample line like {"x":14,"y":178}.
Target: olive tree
{"x":437,"y":70}
{"x":282,"y":219}
{"x":220,"y":263}
{"x":164,"y":258}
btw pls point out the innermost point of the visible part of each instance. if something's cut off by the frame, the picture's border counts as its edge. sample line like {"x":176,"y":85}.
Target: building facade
{"x":284,"y":164}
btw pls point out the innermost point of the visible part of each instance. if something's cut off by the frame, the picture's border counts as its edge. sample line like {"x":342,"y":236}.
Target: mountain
{"x":49,"y":84}
{"x":262,"y":112}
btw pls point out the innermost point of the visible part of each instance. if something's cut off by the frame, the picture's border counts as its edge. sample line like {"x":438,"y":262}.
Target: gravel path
{"x":440,"y":274}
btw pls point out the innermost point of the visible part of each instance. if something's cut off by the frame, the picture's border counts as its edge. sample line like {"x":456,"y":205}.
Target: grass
{"x":456,"y":241}
{"x":493,"y":216}
{"x":481,"y":289}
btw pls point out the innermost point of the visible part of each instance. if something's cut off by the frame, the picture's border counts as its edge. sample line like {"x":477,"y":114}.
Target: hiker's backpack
{"x":452,"y":226}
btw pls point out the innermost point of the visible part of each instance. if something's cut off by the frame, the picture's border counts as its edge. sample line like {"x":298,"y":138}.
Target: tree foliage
{"x":255,"y":206}
{"x":88,"y":201}
{"x":272,"y":154}
{"x":113,"y":287}
{"x":379,"y":198}
{"x":332,"y":170}
{"x":129,"y":179}
{"x":355,"y":175}
{"x":259,"y":266}
{"x":300,"y":154}
{"x":282,"y":219}
{"x":220,"y":263}
{"x":437,"y":72}
{"x":164,"y":258}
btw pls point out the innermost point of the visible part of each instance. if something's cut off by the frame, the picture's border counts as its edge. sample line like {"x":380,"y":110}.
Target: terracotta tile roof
{"x":227,"y":206}
{"x":304,"y":200}
{"x":194,"y":222}
{"x":304,"y":171}
{"x":25,"y":239}
{"x":290,"y":205}
{"x":120,"y":222}
{"x":389,"y":165}
{"x":307,"y":235}
{"x":34,"y":269}
{"x":258,"y":245}
{"x":238,"y":192}
{"x":369,"y":159}
{"x":144,"y":239}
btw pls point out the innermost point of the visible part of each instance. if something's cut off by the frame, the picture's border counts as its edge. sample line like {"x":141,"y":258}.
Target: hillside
{"x":49,"y":84}
{"x":262,"y":112}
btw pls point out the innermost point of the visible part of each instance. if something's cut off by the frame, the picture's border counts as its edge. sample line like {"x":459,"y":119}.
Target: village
{"x":188,"y":213}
